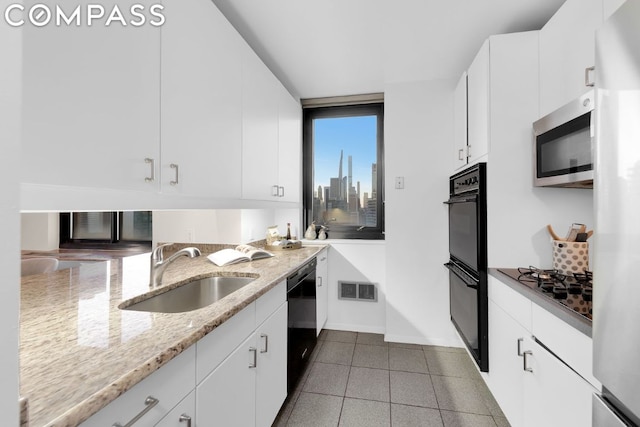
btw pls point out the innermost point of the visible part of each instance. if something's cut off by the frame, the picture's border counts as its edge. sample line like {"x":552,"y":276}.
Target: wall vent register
{"x":359,"y":291}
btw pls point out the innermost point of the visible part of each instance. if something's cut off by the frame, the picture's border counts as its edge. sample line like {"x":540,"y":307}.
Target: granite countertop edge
{"x":565,"y":314}
{"x":96,"y":401}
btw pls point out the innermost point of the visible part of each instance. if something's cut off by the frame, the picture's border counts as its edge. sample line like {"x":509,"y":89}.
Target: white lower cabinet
{"x":227,"y":396}
{"x":322,"y":289}
{"x":250,"y":385}
{"x":530,"y":383}
{"x":271,"y":372}
{"x":554,"y":395}
{"x":505,"y":370}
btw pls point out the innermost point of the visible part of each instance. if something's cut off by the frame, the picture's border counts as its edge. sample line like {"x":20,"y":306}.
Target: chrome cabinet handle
{"x":587,"y":80}
{"x":153,"y":170}
{"x":255,"y":357}
{"x":149,"y":402}
{"x":524,"y":361}
{"x":185,"y":418}
{"x":266,"y":343}
{"x":323,"y":258}
{"x":319,"y":280}
{"x":280,"y":193}
{"x":460,"y":153}
{"x":274,"y":190}
{"x":174,"y":166}
{"x":468,"y":151}
{"x":519,"y":348}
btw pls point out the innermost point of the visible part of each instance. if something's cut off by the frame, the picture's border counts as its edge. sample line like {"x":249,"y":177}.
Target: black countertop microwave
{"x":562,"y":149}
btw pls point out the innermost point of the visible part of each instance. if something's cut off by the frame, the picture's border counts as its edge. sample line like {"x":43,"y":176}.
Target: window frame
{"x":114,"y":242}
{"x":308,"y":116}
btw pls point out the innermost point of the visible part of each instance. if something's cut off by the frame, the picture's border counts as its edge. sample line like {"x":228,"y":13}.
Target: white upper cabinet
{"x":478,"y":104}
{"x":460,"y":123}
{"x":271,"y":135}
{"x":567,"y":49}
{"x":201,"y":102}
{"x":91,"y":104}
{"x":259,"y":129}
{"x":289,"y":147}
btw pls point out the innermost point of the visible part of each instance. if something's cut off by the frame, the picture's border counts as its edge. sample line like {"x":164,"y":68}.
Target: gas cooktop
{"x":574,"y":291}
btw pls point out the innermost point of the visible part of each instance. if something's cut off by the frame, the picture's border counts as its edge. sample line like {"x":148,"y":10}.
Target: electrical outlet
{"x":399,"y":182}
{"x":190,"y":235}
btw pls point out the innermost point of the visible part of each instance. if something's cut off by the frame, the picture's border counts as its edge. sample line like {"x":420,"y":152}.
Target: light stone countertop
{"x":79,"y":352}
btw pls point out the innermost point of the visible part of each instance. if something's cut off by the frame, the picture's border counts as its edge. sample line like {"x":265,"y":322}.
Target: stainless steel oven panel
{"x":585,"y":104}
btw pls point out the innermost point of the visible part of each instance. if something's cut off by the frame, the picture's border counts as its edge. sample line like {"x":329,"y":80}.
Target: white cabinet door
{"x":289,"y":147}
{"x":322,"y":289}
{"x":478,"y":104}
{"x":259,"y":129}
{"x":201,"y":102}
{"x":91,"y":103}
{"x":271,"y":381}
{"x":554,"y":394}
{"x":505,"y":375}
{"x":460,"y":123}
{"x":227,"y":397}
{"x":567,"y":47}
{"x":183,"y":415}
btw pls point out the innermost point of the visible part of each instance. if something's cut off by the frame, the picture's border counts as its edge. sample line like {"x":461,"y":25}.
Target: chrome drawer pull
{"x":255,"y":357}
{"x":524,"y":361}
{"x":587,"y":81}
{"x":150,"y":402}
{"x":174,"y":166}
{"x":266,"y":343}
{"x":187,"y":418}
{"x":520,"y":349}
{"x":153,"y":170}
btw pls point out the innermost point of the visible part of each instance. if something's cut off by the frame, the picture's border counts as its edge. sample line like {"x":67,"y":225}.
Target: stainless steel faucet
{"x":159,"y":265}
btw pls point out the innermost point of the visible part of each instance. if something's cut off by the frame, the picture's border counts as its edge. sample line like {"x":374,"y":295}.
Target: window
{"x":343,"y":168}
{"x":105,"y":229}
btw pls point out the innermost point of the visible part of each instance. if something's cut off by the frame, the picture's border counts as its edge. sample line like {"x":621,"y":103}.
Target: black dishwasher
{"x":301,"y":334}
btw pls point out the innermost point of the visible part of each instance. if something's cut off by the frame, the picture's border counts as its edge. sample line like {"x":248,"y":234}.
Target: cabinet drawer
{"x":516,"y":305}
{"x":269,"y":302}
{"x":566,"y":342}
{"x":217,"y":345}
{"x":170,"y":384}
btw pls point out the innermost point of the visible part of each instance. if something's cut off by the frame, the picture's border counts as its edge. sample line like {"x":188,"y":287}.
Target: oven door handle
{"x":468,"y":199}
{"x":469,"y":281}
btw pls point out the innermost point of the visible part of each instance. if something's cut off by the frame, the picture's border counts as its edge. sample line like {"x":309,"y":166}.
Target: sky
{"x":357,"y":137}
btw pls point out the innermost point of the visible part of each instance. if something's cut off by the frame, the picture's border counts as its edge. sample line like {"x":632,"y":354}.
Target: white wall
{"x":418,"y":141}
{"x":40,"y":231}
{"x":198,"y":226}
{"x":10,"y":119}
{"x":357,"y":261}
{"x":230,"y":226}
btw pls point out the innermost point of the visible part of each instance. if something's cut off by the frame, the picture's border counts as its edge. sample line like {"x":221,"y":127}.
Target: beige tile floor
{"x":357,"y":379}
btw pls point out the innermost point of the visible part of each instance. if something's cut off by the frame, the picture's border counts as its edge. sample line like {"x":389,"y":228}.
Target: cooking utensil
{"x":553,"y":234}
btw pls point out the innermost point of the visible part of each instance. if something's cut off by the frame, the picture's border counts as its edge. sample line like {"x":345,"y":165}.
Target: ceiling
{"x":321,"y":48}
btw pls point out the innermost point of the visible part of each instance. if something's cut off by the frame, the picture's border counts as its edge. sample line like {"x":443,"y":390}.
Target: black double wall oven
{"x":468,"y":260}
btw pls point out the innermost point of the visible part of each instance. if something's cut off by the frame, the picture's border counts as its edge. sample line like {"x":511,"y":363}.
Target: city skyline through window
{"x":345,"y":170}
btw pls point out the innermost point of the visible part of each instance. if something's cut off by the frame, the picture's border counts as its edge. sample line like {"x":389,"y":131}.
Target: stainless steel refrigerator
{"x":616,"y":249}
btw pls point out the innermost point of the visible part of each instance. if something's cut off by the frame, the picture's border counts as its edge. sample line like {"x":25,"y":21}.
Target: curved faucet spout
{"x":159,"y":265}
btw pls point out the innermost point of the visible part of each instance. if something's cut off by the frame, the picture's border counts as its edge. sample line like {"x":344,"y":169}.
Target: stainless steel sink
{"x":191,"y":296}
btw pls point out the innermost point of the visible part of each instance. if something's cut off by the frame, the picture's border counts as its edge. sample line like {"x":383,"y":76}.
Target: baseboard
{"x":412,"y":339}
{"x":354,"y":328}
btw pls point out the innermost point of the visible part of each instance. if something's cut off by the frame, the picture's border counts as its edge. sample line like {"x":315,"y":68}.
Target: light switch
{"x":399,"y":182}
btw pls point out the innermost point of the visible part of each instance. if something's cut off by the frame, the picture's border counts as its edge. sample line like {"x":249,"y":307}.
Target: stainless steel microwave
{"x":562,"y":149}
